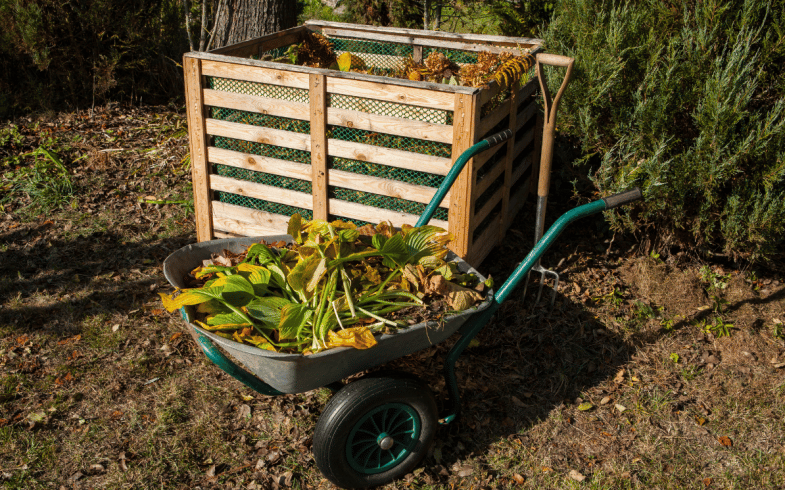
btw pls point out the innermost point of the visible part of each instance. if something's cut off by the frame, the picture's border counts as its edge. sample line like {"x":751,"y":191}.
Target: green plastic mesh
{"x":386,"y":172}
{"x":263,"y":178}
{"x":272,"y":151}
{"x":392,"y":109}
{"x":384,"y":202}
{"x":383,"y":140}
{"x":454,"y":55}
{"x":262,"y":205}
{"x":259,"y":89}
{"x":387,"y":57}
{"x":264,"y":120}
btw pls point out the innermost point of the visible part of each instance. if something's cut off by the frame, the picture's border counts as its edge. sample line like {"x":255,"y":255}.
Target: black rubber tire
{"x":361,"y":399}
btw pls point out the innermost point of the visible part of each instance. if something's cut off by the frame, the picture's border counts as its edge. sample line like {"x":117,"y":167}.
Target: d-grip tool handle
{"x":622,"y":198}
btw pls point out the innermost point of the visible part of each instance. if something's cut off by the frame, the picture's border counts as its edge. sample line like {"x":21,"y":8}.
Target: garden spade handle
{"x":549,"y":127}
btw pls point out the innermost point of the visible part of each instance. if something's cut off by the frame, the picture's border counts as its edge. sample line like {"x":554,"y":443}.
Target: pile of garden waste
{"x":336,"y":285}
{"x":505,"y":68}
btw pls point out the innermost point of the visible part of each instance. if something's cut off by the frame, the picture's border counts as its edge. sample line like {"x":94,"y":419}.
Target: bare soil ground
{"x":646,"y":374}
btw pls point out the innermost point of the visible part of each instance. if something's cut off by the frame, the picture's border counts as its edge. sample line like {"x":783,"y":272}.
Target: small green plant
{"x":644,"y":311}
{"x":778,"y":330}
{"x":691,"y":372}
{"x":717,"y":327}
{"x":718,"y":304}
{"x":675,"y":358}
{"x":46,"y":182}
{"x":613,"y":298}
{"x":715,"y":280}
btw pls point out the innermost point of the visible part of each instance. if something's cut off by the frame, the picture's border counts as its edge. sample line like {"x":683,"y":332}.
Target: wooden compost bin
{"x":272,"y":139}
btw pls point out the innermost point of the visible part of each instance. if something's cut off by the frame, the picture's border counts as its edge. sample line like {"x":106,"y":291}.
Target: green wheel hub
{"x":383,"y":438}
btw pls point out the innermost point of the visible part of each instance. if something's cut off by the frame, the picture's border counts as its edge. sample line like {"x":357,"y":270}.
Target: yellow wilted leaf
{"x":223,"y":327}
{"x":357,"y":337}
{"x":347,"y":61}
{"x":185,"y":298}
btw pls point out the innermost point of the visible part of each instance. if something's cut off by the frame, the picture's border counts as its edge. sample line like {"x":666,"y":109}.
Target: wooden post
{"x":197,"y":137}
{"x":318,"y":99}
{"x":465,"y":114}
{"x":417,"y":53}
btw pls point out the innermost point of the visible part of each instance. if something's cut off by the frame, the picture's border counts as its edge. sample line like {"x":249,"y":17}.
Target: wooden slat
{"x":391,"y":93}
{"x":426,"y":34}
{"x":376,"y":215}
{"x":385,"y":187}
{"x":417,"y":54}
{"x":251,"y":64}
{"x":525,"y":116}
{"x":254,"y":103}
{"x":517,"y":201}
{"x":492,"y":119}
{"x":226,"y":234}
{"x":240,"y":71}
{"x":389,"y":125}
{"x":264,"y":43}
{"x":485,"y":243}
{"x":258,"y":163}
{"x":483,"y":157}
{"x":461,"y":204}
{"x":520,"y":170}
{"x":335,"y":116}
{"x":489,"y":178}
{"x":527,"y":90}
{"x":261,"y":191}
{"x":247,"y":221}
{"x":388,"y":156}
{"x":318,"y":96}
{"x":197,"y":137}
{"x":258,"y":134}
{"x":488,"y":207}
{"x":509,"y":158}
{"x":436,"y":43}
{"x":487,"y":93}
{"x":523,"y":143}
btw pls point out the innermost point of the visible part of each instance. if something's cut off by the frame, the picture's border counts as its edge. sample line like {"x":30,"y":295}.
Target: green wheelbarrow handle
{"x":476,"y":323}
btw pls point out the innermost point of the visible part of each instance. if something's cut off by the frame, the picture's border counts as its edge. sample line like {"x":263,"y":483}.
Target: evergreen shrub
{"x":685,"y":100}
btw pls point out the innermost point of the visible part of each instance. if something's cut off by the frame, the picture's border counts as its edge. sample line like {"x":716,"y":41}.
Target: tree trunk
{"x":240,"y":20}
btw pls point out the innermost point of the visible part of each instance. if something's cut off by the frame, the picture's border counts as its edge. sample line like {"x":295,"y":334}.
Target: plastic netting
{"x":259,"y":89}
{"x":392,"y":109}
{"x":384,"y":202}
{"x":262,"y":205}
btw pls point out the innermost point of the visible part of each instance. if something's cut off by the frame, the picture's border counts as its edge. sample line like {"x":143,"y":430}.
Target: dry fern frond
{"x":439,"y":66}
{"x":513,"y":69}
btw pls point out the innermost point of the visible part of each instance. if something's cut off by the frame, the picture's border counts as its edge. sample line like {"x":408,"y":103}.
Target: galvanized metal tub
{"x":297,"y":373}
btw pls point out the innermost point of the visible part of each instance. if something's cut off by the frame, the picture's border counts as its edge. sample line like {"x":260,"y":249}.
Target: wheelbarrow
{"x":378,"y":428}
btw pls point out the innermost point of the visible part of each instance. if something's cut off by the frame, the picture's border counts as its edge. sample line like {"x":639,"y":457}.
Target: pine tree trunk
{"x":240,"y":20}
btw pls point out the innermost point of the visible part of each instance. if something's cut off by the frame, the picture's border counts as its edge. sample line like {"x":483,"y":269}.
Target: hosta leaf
{"x":220,"y":328}
{"x":267,"y":310}
{"x":303,"y":272}
{"x":394,"y":252}
{"x":237,"y":290}
{"x":261,"y":254}
{"x":212,"y":307}
{"x":295,"y":225}
{"x":378,"y":241}
{"x":258,"y":276}
{"x":293,"y":318}
{"x":226,"y":319}
{"x":357,"y":337}
{"x":188,"y":297}
{"x":278,"y":276}
{"x":349,"y":235}
{"x":211,"y":269}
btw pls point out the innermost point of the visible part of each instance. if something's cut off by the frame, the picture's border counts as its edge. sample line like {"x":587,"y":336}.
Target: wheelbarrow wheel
{"x":375,"y":430}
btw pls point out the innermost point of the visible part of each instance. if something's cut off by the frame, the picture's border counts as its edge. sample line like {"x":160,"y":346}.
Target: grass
{"x":143,"y":408}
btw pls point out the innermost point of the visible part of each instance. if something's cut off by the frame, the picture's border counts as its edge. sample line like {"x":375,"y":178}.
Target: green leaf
{"x":295,"y":225}
{"x":378,"y":241}
{"x":394,"y":252}
{"x":261,"y":253}
{"x":267,"y":310}
{"x":293,"y":318}
{"x":225,"y":319}
{"x":237,"y":291}
{"x":303,"y":272}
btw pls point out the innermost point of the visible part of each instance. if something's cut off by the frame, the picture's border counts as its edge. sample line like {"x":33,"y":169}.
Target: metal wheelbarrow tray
{"x":297,"y":373}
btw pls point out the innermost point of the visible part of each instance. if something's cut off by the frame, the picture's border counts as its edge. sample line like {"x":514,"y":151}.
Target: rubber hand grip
{"x":623,"y":198}
{"x":499,"y":137}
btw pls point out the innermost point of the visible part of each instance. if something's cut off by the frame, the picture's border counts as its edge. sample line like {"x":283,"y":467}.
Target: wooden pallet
{"x":489,"y":192}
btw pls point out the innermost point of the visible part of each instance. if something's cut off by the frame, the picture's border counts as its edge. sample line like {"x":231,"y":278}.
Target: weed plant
{"x":684,"y":100}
